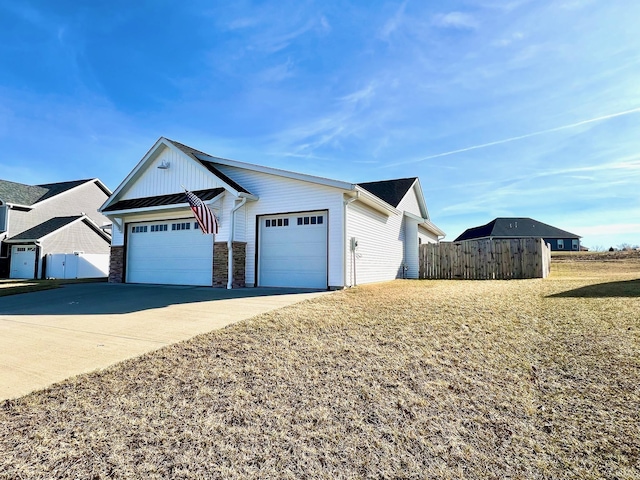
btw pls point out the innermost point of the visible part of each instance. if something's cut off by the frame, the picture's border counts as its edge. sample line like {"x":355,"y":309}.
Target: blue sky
{"x":502,"y":108}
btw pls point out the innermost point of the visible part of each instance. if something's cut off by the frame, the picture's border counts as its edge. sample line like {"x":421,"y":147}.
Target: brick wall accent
{"x":221,"y":266}
{"x":116,"y":265}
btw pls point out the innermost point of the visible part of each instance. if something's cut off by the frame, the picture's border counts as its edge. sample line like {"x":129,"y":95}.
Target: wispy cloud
{"x":277,"y":73}
{"x":521,"y":137}
{"x":393,"y":23}
{"x":363,"y":95}
{"x":457,"y":20}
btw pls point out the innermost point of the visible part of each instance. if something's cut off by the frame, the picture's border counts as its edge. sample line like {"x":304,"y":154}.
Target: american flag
{"x":206,"y":218}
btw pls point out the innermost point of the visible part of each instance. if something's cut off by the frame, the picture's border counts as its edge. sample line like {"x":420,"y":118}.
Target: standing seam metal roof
{"x":162,"y":200}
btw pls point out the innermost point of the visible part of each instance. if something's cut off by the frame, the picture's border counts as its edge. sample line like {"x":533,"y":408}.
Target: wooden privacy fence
{"x":486,"y":259}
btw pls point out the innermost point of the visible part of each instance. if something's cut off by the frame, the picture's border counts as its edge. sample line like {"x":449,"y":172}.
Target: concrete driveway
{"x":51,"y":335}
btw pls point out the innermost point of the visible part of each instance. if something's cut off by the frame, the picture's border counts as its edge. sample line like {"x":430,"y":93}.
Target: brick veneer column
{"x":116,"y":265}
{"x":221,"y":265}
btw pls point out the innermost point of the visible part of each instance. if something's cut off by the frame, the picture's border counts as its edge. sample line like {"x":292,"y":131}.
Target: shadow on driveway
{"x":110,"y":298}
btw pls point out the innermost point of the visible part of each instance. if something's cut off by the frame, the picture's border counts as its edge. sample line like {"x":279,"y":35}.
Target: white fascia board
{"x":432,"y":228}
{"x":424,"y":222}
{"x":421,"y":201}
{"x":414,"y":217}
{"x":248,"y":196}
{"x":102,"y":186}
{"x":281,"y":173}
{"x":17,"y":205}
{"x":367,"y":197}
{"x":99,"y":229}
{"x":24,"y":241}
{"x":151,"y":153}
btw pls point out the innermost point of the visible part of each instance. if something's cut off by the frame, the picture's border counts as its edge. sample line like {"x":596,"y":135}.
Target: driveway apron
{"x":51,"y":335}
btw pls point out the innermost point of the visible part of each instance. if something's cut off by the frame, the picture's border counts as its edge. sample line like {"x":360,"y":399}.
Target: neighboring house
{"x":277,"y":228}
{"x":523,"y":228}
{"x":55,"y":218}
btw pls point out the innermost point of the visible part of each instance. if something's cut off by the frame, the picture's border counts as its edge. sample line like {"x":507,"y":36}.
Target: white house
{"x":277,"y":228}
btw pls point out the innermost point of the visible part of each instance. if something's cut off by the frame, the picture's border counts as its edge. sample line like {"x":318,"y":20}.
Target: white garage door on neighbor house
{"x":293,"y":250}
{"x":169,"y":252}
{"x":23,"y":261}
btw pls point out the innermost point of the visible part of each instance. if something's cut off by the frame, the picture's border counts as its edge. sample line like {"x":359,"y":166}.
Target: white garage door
{"x":293,"y":250}
{"x":23,"y":261}
{"x":171,"y":252}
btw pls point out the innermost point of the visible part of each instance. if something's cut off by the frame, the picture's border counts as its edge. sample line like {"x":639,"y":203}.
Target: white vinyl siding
{"x":284,"y":195}
{"x":414,"y":234}
{"x":380,"y":251}
{"x":425,"y":236}
{"x":182,"y":170}
{"x":409,"y":203}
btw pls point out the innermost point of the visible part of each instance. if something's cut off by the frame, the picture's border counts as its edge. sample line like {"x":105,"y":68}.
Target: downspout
{"x":230,"y":242}
{"x":344,"y":229}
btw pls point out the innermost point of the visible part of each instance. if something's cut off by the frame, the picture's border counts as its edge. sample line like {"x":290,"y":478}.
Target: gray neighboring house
{"x":54,"y":218}
{"x":523,"y":227}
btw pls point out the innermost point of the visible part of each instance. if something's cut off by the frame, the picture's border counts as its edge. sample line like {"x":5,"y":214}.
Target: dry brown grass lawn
{"x":408,"y":379}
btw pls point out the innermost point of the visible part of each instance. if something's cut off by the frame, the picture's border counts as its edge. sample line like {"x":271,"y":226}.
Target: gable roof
{"x":28,"y":195}
{"x":384,"y":195}
{"x":161,"y":144}
{"x":54,"y":224}
{"x":514,"y":227}
{"x":391,"y":191}
{"x":162,"y":200}
{"x":193,"y":153}
{"x":205,"y":158}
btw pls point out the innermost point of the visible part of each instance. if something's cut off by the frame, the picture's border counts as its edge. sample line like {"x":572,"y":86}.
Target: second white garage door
{"x":173,"y":252}
{"x":293,"y":250}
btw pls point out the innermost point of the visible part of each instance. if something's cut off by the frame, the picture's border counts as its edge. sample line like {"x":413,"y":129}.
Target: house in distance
{"x":523,"y":227}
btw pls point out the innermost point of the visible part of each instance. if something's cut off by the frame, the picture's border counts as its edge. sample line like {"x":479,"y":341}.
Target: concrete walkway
{"x":48,"y":336}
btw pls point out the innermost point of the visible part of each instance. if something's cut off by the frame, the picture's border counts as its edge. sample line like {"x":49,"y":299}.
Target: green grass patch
{"x":15,"y":287}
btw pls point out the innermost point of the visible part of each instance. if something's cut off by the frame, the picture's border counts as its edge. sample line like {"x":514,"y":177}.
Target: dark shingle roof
{"x":196,"y":154}
{"x":21,"y":194}
{"x":45,"y":228}
{"x":54,"y":189}
{"x":515,"y":227}
{"x":12,"y":192}
{"x":159,"y":200}
{"x":391,"y":191}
